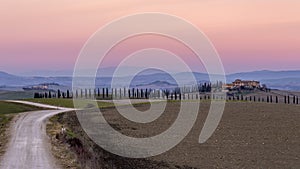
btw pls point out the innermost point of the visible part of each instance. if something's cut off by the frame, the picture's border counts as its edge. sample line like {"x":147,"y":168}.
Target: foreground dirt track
{"x":250,"y":135}
{"x":29,"y":148}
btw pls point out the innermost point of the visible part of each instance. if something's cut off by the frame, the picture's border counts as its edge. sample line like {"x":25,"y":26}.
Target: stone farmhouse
{"x":238,"y":84}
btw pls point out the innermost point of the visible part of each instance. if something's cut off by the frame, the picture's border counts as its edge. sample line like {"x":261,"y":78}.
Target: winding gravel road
{"x":29,"y":146}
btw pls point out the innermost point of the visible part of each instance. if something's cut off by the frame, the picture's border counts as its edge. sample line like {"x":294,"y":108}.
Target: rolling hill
{"x":286,"y":80}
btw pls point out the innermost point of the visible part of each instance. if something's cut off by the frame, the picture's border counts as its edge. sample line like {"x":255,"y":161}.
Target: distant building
{"x":238,"y":83}
{"x":39,"y":87}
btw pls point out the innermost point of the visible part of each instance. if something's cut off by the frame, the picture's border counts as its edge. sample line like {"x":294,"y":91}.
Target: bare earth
{"x":250,"y":135}
{"x":29,"y":145}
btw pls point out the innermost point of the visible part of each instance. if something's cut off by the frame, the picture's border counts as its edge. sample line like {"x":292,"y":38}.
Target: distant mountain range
{"x":286,"y":80}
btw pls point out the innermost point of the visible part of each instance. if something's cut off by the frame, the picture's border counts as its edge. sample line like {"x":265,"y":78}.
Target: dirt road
{"x":29,"y":145}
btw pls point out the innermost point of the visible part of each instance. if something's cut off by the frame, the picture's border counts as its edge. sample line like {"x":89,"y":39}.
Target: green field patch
{"x":8,"y":107}
{"x":69,"y":103}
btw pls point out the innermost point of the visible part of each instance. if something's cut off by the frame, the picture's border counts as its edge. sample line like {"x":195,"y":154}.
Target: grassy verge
{"x":68,"y":102}
{"x":4,"y":124}
{"x":7,"y":112}
{"x":10,"y":108}
{"x":60,"y":150}
{"x":55,"y":102}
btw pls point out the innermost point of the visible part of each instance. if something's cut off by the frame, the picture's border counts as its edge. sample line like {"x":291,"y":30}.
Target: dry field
{"x":250,"y":135}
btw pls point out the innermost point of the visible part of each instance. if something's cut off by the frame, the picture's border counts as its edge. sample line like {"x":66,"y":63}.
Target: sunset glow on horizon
{"x":248,"y":35}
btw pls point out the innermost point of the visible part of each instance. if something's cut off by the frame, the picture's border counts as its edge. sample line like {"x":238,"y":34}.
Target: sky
{"x":249,"y":35}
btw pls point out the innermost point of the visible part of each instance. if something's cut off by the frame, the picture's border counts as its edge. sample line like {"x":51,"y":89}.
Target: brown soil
{"x":250,"y":135}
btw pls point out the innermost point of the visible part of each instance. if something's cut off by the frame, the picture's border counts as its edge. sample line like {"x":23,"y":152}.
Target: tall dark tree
{"x":167,"y":92}
{"x":58,"y":93}
{"x":36,"y":95}
{"x":294,"y":100}
{"x":129,"y":94}
{"x":76,"y":94}
{"x":49,"y":94}
{"x":146,"y":94}
{"x":133,"y":93}
{"x":68,"y":94}
{"x":285,"y":99}
{"x":90,"y":93}
{"x":124,"y":92}
{"x":103,"y":93}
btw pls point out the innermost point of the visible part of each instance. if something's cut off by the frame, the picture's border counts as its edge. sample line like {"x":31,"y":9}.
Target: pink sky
{"x":248,"y":34}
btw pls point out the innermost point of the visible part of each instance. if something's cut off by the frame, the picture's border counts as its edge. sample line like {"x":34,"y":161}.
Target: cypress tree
{"x":285,"y":99}
{"x":294,"y":100}
{"x":142,"y":93}
{"x":103,"y":93}
{"x":133,"y":94}
{"x":146,"y":94}
{"x":58,"y":93}
{"x":36,"y":95}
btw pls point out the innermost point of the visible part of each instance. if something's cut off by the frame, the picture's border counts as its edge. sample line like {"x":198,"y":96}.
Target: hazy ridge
{"x":287,"y":80}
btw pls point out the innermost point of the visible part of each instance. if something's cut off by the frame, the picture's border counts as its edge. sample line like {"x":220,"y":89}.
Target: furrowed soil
{"x":250,"y":135}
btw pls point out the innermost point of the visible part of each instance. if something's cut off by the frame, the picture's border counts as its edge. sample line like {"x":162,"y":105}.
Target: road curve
{"x":29,"y":146}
